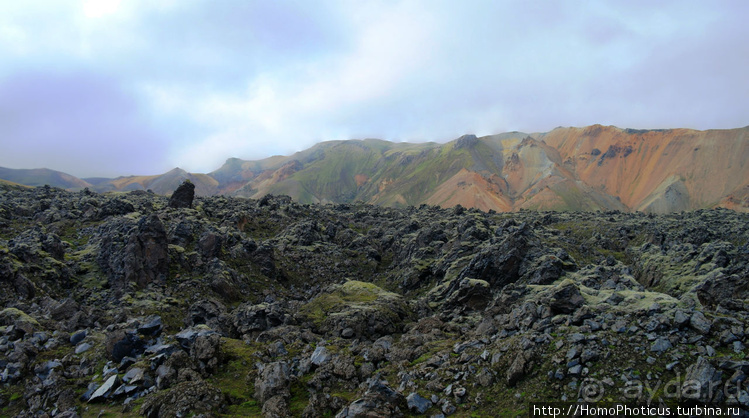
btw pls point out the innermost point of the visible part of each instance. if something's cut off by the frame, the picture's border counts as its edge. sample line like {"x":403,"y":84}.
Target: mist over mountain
{"x":590,"y":168}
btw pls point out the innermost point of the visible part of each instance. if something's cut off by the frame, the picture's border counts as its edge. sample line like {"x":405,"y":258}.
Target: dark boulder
{"x":143,"y":259}
{"x":183,"y":196}
{"x":378,"y":401}
{"x":129,"y":346}
{"x":193,"y":397}
{"x":566,"y":299}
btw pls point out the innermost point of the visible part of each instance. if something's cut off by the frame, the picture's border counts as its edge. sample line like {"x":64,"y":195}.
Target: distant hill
{"x":42,"y":176}
{"x":163,"y":184}
{"x":591,"y":168}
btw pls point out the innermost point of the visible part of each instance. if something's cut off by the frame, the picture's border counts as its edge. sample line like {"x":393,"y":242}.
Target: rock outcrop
{"x":183,"y":196}
{"x":240,"y":307}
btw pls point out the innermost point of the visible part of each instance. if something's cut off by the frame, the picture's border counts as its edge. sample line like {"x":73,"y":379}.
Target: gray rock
{"x":573,"y":353}
{"x":727,"y":337}
{"x":517,"y":369}
{"x":566,"y":299}
{"x":82,"y":348}
{"x":276,"y":407}
{"x":187,"y":337}
{"x":152,"y":326}
{"x":104,"y":390}
{"x":702,"y":382}
{"x":78,"y":337}
{"x":418,"y":404}
{"x":589,"y":355}
{"x":448,"y":408}
{"x":272,"y":381}
{"x":699,"y":323}
{"x":133,"y":375}
{"x":660,"y":345}
{"x":184,"y":399}
{"x":347,"y":332}
{"x":378,"y":401}
{"x":681,"y":319}
{"x":320,"y":356}
{"x":576,"y":338}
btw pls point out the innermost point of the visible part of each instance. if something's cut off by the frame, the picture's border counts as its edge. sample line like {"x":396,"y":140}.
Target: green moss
{"x":231,"y":377}
{"x":13,"y":314}
{"x":352,"y":294}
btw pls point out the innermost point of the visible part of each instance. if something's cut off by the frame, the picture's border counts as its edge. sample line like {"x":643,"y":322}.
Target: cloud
{"x":206,"y":81}
{"x":76,"y":123}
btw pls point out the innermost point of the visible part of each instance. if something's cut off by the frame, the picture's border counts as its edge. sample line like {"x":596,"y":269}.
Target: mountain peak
{"x":595,"y":167}
{"x":466,"y":141}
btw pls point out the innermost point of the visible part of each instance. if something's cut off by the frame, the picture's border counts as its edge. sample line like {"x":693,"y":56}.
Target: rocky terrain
{"x":137,"y":304}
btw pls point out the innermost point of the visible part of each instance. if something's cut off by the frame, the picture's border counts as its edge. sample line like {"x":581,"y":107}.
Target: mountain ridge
{"x":569,"y":168}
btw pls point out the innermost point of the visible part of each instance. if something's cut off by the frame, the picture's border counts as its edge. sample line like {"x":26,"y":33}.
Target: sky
{"x":103,"y":88}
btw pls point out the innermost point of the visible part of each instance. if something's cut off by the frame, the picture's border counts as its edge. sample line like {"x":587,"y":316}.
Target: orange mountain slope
{"x":661,"y":170}
{"x":590,"y":168}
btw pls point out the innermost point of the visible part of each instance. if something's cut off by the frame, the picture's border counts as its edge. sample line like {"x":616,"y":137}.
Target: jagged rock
{"x":64,"y":310}
{"x":114,"y":207}
{"x":187,"y":337}
{"x":255,"y":318}
{"x":206,"y":351}
{"x":320,"y":356}
{"x":209,"y":244}
{"x":660,"y":345}
{"x":702,"y":382}
{"x":378,"y":400}
{"x":183,"y":196}
{"x":364,"y":307}
{"x":143,"y":258}
{"x":184,"y":398}
{"x":151,"y":327}
{"x":276,"y":407}
{"x":699,"y":323}
{"x":130,"y":345}
{"x":468,"y":293}
{"x":134,"y":375}
{"x":210,"y":313}
{"x":418,"y":404}
{"x":566,"y":299}
{"x":681,"y":319}
{"x":458,"y":303}
{"x":518,"y":368}
{"x":273,"y":381}
{"x":105,"y":390}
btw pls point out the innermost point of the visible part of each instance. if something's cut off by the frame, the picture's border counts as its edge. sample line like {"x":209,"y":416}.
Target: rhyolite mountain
{"x":592,"y":168}
{"x":134,"y":304}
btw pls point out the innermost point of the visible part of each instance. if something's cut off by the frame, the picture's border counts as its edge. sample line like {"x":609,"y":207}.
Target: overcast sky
{"x":107,"y":88}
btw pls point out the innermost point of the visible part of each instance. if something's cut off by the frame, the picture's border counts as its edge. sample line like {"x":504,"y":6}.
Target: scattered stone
{"x":152,"y":326}
{"x":418,"y":404}
{"x":699,"y":323}
{"x":82,"y":348}
{"x":78,"y":337}
{"x":104,"y":390}
{"x":660,"y":345}
{"x":320,"y":356}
